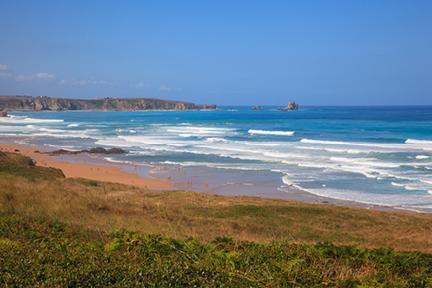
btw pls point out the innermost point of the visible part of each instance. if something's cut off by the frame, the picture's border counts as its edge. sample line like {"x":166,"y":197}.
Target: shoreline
{"x":85,"y":170}
{"x":99,"y":169}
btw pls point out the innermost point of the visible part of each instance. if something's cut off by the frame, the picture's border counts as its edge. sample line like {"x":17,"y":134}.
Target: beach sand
{"x":82,"y":166}
{"x":86,"y":170}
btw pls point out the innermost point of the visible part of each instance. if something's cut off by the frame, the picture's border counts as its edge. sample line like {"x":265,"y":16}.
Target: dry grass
{"x":181,"y":214}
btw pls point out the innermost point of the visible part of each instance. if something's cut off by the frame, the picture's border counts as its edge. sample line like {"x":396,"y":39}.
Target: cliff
{"x":44,"y":103}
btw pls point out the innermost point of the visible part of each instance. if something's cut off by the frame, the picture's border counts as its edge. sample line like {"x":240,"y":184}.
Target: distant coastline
{"x":45,"y":103}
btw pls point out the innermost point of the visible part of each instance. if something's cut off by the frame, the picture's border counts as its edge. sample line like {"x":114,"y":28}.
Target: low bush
{"x":43,"y":252}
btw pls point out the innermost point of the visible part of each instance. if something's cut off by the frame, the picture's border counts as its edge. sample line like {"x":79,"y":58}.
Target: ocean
{"x":374,"y":155}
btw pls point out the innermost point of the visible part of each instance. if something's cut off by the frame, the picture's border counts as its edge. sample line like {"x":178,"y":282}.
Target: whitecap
{"x":269,"y":132}
{"x":415,"y":141}
{"x":397,"y":184}
{"x":216,"y":140}
{"x":199,"y":130}
{"x":23,"y":119}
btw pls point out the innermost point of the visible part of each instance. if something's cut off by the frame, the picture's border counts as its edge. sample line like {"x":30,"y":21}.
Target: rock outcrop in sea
{"x":44,"y":103}
{"x":3,"y":113}
{"x":292,"y":105}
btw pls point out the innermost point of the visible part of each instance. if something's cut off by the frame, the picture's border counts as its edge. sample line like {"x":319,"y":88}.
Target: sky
{"x":223,"y":52}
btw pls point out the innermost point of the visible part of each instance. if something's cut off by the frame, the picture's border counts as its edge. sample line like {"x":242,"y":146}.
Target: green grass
{"x":13,"y":163}
{"x":41,"y":252}
{"x":57,"y":232}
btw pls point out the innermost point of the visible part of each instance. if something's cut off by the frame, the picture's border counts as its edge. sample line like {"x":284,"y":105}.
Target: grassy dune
{"x":59,"y":232}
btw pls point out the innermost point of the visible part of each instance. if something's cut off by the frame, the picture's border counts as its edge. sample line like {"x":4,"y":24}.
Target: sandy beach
{"x":81,"y":167}
{"x":86,"y":170}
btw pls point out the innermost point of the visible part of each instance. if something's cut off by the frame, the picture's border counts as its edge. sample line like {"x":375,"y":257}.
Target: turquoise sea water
{"x":378,"y":155}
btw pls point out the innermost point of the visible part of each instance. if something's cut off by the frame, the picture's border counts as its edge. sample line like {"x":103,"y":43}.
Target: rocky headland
{"x":44,"y":103}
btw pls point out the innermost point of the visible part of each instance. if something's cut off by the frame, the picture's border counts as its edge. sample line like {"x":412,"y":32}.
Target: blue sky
{"x":224,"y":52}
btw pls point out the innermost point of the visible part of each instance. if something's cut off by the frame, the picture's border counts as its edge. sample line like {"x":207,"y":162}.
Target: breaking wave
{"x":269,"y":132}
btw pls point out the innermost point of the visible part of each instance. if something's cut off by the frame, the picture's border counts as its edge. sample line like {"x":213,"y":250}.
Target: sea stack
{"x":257,"y":107}
{"x":292,"y":105}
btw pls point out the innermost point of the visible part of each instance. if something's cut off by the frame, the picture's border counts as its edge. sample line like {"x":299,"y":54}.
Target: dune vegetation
{"x":57,"y":231}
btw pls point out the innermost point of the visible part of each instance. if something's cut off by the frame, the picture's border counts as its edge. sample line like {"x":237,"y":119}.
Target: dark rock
{"x":257,"y":107}
{"x":3,"y":113}
{"x":96,"y":150}
{"x":62,"y":152}
{"x":101,"y":150}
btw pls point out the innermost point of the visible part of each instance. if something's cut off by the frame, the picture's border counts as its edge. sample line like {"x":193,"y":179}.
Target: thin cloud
{"x":84,"y":82}
{"x":4,"y":71}
{"x":140,"y":85}
{"x":36,"y":76}
{"x":165,"y":88}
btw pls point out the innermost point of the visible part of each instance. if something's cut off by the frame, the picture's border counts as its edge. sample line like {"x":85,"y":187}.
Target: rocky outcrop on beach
{"x":3,"y":113}
{"x":44,"y":103}
{"x":97,"y":150}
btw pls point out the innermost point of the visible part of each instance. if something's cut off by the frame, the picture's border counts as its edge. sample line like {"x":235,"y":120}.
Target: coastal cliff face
{"x":44,"y":103}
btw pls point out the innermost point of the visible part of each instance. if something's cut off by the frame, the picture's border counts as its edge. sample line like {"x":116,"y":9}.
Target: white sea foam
{"x":268,"y":132}
{"x":421,"y":157}
{"x":23,"y":120}
{"x":370,"y":162}
{"x":359,"y":144}
{"x":415,"y":141}
{"x":334,"y":150}
{"x":406,"y":186}
{"x":199,"y":130}
{"x":287,"y":181}
{"x":113,"y":142}
{"x":150,"y":140}
{"x":216,"y":140}
{"x":420,"y":144}
{"x":263,"y":144}
{"x":63,"y":135}
{"x":397,"y":184}
{"x":73,"y":125}
{"x":311,"y":141}
{"x":109,"y":159}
